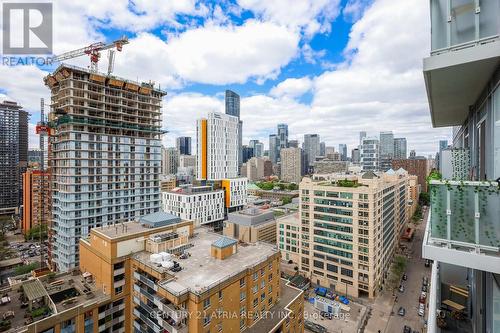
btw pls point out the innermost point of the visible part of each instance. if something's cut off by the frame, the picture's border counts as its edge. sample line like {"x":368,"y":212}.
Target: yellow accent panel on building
{"x":226,"y":185}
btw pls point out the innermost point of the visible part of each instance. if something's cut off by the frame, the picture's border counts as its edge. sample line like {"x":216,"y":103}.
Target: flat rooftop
{"x":278,"y":312}
{"x":201,"y":271}
{"x":290,"y":219}
{"x":146,"y":223}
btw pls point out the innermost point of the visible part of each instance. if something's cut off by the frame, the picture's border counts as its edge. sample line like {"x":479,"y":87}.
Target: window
{"x":270,"y":277}
{"x":119,"y":290}
{"x":242,"y":324}
{"x":262,"y":272}
{"x":220,"y":295}
{"x":270,"y":301}
{"x":243,"y":295}
{"x":270,"y":289}
{"x":206,"y":303}
{"x":255,"y":275}
{"x":262,"y":284}
{"x":243,"y":309}
{"x":255,"y":302}
{"x":242,"y":282}
{"x":255,"y":289}
{"x":206,"y":320}
{"x":262,"y":296}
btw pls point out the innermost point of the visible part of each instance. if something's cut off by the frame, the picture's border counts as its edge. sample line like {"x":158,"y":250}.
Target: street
{"x":415,"y":271}
{"x":384,"y":315}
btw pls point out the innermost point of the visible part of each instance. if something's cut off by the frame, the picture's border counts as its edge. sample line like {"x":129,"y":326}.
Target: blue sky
{"x":332,"y":67}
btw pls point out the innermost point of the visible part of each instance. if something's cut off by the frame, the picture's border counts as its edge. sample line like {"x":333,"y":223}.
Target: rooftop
{"x":290,"y":219}
{"x":159,"y":219}
{"x":145,"y":223}
{"x":201,"y":271}
{"x":251,"y":216}
{"x":48,"y":297}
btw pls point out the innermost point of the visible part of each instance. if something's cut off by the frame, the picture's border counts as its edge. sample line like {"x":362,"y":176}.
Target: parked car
{"x":325,"y":314}
{"x":401,"y":311}
{"x":421,"y":309}
{"x":407,"y":329}
{"x":401,"y":288}
{"x":405,"y":277}
{"x":427,"y":262}
{"x":422,"y":298}
{"x":424,"y":289}
{"x":425,"y":281}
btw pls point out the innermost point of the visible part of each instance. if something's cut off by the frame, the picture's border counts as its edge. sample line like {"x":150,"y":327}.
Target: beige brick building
{"x":349,"y":230}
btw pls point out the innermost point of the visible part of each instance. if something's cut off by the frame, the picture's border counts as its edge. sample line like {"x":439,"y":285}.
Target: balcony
{"x":463,"y":228}
{"x":465,"y":49}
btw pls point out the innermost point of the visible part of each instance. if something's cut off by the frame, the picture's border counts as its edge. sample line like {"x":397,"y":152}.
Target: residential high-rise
{"x":255,"y":168}
{"x":322,"y":149}
{"x":258,"y":148}
{"x":293,"y":143}
{"x":291,"y":165}
{"x":247,"y":153}
{"x":169,"y":160}
{"x":355,"y":156}
{"x":232,"y":102}
{"x":369,"y":155}
{"x":462,"y":236}
{"x":36,"y":199}
{"x":311,"y":148}
{"x":386,"y":150}
{"x":217,"y":147}
{"x":105,"y":155}
{"x":343,"y":151}
{"x":400,"y":148}
{"x":13,"y":155}
{"x":443,"y":144}
{"x":414,"y":166}
{"x":274,"y":148}
{"x":362,"y":135}
{"x":283,"y":135}
{"x":349,"y":230}
{"x":183,"y":145}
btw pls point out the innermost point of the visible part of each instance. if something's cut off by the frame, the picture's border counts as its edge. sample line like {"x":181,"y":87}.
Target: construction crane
{"x":94,"y":51}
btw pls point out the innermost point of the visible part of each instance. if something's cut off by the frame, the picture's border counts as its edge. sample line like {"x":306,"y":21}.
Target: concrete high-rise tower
{"x":183,"y":145}
{"x":311,"y":148}
{"x":217,"y":147}
{"x":105,"y":155}
{"x":13,"y":155}
{"x":232,"y":102}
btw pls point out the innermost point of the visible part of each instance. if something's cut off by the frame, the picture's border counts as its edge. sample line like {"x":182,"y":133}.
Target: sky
{"x":331,"y":67}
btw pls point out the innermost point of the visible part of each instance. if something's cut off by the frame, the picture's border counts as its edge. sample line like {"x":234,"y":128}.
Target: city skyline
{"x":301,"y":60}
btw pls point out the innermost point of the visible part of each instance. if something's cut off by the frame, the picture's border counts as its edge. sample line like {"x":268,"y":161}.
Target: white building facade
{"x":217,"y":147}
{"x":200,"y":204}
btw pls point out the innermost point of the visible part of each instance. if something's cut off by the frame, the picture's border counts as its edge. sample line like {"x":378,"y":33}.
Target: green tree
{"x":293,"y":187}
{"x":35,"y":232}
{"x":286,"y":200}
{"x":19,"y":270}
{"x":424,"y":198}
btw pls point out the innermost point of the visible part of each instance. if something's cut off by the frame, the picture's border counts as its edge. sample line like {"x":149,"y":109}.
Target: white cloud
{"x":232,"y":54}
{"x":312,"y":16}
{"x":292,"y":88}
{"x":354,"y":9}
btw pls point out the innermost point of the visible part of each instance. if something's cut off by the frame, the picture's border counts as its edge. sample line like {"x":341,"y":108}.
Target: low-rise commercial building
{"x":251,"y":225}
{"x":167,"y":182}
{"x":202,"y":204}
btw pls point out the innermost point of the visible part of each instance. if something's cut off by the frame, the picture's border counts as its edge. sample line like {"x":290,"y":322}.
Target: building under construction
{"x":13,"y":155}
{"x":104,"y":155}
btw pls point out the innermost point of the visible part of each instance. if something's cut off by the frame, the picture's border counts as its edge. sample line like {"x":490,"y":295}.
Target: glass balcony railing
{"x":462,"y":23}
{"x":466,"y":214}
